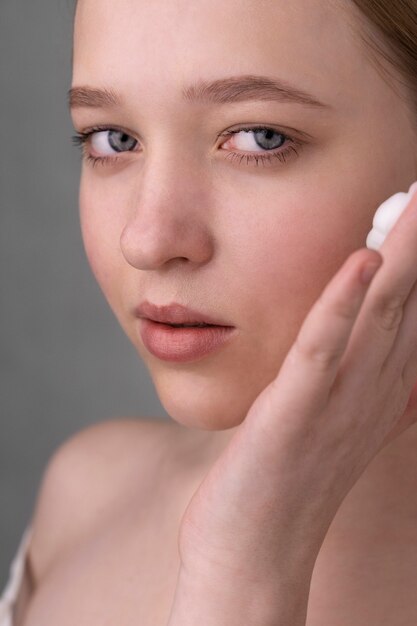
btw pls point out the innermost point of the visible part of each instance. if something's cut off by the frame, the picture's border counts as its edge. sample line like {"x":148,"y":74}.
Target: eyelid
{"x":278,"y":128}
{"x":103,"y":127}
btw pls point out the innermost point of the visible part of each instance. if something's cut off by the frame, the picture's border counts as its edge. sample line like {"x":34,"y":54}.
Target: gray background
{"x":65,"y":362}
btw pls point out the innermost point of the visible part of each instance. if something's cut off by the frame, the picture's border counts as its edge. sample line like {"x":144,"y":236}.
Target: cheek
{"x":99,"y":230}
{"x":292,"y":249}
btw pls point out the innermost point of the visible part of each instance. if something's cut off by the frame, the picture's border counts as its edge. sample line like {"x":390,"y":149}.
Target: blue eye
{"x":265,"y":141}
{"x":116,"y":139}
{"x":107,"y":141}
{"x":266,"y":147}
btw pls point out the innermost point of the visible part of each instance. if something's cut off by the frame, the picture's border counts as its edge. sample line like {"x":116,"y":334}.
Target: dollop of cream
{"x":386,"y":216}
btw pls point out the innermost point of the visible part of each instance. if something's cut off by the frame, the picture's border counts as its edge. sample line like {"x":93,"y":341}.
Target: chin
{"x":202,"y":406}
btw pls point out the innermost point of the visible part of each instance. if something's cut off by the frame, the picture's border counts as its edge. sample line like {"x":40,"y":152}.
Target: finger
{"x":403,"y":358}
{"x":382,"y":314}
{"x":304,"y":382}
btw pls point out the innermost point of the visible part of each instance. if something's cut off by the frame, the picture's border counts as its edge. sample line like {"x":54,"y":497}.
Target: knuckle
{"x":389,"y":311}
{"x":343,"y":309}
{"x":322,"y":357}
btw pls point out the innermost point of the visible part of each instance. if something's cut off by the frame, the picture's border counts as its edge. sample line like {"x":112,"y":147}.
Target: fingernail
{"x":369,"y":272}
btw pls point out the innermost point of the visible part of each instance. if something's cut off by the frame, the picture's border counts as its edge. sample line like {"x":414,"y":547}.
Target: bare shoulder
{"x":90,"y":476}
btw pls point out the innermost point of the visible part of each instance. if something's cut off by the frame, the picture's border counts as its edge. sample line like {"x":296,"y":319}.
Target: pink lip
{"x":182,"y":345}
{"x":175,"y":314}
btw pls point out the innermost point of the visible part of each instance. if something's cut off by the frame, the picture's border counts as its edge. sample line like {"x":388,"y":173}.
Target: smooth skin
{"x":357,"y":353}
{"x":301,"y":415}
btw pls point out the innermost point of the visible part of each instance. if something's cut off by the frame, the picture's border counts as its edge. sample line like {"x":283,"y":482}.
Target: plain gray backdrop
{"x":65,"y":362}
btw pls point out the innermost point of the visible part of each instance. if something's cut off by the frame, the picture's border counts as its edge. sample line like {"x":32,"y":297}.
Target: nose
{"x":169,"y":220}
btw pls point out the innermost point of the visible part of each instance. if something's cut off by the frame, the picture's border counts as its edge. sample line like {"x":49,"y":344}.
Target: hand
{"x":346,"y":387}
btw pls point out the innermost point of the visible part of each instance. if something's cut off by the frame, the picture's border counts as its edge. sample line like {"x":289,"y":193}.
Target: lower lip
{"x":182,"y":344}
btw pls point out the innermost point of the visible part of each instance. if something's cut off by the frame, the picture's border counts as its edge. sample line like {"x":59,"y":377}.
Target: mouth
{"x":199,"y":325}
{"x":178,"y":316}
{"x":183,"y":343}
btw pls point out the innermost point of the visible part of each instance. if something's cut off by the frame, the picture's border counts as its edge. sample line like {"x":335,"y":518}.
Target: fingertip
{"x":368,"y":264}
{"x":369,"y":271}
{"x":375,"y":257}
{"x":369,"y":255}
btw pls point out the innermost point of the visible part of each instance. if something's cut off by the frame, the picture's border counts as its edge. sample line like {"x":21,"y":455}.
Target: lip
{"x":182,"y":345}
{"x":176,"y":314}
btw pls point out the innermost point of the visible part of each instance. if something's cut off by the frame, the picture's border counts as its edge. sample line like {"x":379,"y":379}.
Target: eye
{"x":104,"y":142}
{"x":108,"y":140}
{"x":264,"y":141}
{"x":262,"y":138}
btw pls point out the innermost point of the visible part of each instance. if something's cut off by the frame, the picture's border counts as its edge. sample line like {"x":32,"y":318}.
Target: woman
{"x":234,"y":155}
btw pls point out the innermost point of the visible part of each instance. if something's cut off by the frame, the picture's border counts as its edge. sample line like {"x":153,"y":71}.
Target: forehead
{"x":162,"y":44}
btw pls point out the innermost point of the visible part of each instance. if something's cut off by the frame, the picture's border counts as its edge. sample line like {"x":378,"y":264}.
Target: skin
{"x":178,"y":222}
{"x":271,"y":236}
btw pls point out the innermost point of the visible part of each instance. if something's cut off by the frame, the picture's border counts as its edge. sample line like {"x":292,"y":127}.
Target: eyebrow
{"x":248,"y":87}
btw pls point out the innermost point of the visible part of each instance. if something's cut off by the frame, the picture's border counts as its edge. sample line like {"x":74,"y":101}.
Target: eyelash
{"x":81,"y":139}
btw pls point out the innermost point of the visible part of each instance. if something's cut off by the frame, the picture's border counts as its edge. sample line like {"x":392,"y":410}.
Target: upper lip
{"x":175,"y":314}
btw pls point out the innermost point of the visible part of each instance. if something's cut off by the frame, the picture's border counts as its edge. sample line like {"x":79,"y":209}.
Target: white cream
{"x":386,"y":216}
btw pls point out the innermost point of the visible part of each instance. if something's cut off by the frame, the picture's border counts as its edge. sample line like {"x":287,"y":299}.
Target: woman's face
{"x":175,"y":216}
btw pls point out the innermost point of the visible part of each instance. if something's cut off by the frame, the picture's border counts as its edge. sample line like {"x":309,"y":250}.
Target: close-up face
{"x":246,"y":227}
